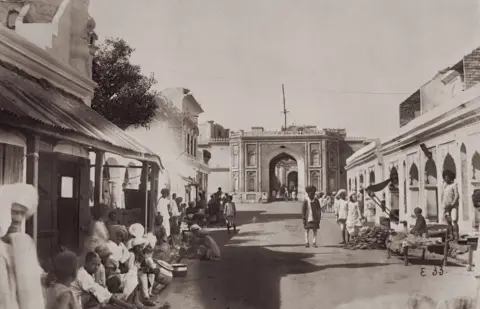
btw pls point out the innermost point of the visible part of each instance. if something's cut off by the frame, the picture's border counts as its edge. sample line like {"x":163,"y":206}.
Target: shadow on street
{"x":248,"y":277}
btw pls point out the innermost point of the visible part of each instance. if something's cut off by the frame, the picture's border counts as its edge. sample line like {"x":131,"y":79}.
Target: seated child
{"x":112,"y":219}
{"x":138,"y":246}
{"x":418,"y":234}
{"x":420,"y":228}
{"x":65,"y":270}
{"x":161,"y":249}
{"x":191,"y":210}
{"x":159,"y":230}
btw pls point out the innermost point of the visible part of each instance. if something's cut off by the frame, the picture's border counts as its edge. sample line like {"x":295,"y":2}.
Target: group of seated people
{"x":120,"y":273}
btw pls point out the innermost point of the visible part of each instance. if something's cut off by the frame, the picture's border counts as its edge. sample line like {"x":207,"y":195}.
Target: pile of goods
{"x":369,"y":238}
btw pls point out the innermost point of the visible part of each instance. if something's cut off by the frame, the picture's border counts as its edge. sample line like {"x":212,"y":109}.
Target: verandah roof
{"x":26,"y":102}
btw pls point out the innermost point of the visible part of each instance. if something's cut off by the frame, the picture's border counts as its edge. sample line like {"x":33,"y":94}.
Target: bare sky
{"x":331,"y":55}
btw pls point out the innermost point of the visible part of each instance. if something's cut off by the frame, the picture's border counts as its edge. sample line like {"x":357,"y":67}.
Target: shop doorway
{"x":68,"y":202}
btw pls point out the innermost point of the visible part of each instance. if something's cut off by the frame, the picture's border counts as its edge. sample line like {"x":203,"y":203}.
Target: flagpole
{"x":284,"y":109}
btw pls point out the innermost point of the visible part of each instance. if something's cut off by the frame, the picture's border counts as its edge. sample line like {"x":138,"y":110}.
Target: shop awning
{"x":28,"y":103}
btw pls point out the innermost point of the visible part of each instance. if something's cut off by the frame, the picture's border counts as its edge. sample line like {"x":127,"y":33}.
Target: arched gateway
{"x":262,"y":162}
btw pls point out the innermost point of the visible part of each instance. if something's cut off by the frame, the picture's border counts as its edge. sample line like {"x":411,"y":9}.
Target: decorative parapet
{"x":336,"y":133}
{"x":358,"y":139}
{"x":277,"y":133}
{"x":214,"y":140}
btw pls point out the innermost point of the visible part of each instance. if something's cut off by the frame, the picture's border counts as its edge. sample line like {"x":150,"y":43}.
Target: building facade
{"x":174,"y":133}
{"x":439,"y":129}
{"x":251,"y":164}
{"x":47,"y":129}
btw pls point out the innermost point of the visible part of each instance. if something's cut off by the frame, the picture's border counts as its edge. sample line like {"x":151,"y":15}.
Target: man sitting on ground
{"x":89,"y":293}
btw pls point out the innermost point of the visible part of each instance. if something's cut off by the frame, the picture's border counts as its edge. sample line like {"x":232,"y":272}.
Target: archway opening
{"x":371,"y":178}
{"x":394,"y":193}
{"x":476,"y":166}
{"x":431,"y":190}
{"x":449,"y":164}
{"x":292,"y":179}
{"x":283,"y":175}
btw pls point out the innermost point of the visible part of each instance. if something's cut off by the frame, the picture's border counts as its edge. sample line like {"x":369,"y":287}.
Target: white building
{"x":439,"y":129}
{"x":174,"y":134}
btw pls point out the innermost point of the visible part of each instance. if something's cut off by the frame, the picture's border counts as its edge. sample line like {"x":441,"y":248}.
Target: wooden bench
{"x":425,"y":248}
{"x":472,"y":242}
{"x":443,"y":245}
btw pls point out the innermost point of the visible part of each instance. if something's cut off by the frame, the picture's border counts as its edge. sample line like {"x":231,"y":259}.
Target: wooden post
{"x":144,"y":188}
{"x":33,"y":148}
{"x":97,"y":191}
{"x":153,"y":195}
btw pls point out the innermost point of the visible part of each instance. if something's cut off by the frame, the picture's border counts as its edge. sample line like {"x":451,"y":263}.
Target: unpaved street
{"x":266,"y":266}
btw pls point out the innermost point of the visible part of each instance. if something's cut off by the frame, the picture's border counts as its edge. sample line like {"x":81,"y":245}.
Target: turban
{"x":352,"y":193}
{"x":195,"y":227}
{"x":114,"y":230}
{"x":140,"y":241}
{"x":136,"y":230}
{"x":152,"y":240}
{"x":111,"y":263}
{"x":310,"y":189}
{"x":341,"y":193}
{"x":25,"y":195}
{"x":103,"y":251}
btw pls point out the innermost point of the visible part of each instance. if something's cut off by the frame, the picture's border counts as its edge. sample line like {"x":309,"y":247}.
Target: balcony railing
{"x":214,"y":140}
{"x":284,"y":133}
{"x":326,"y":132}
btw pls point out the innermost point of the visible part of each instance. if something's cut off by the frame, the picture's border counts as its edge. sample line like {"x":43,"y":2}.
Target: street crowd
{"x":357,"y":209}
{"x":119,"y":267}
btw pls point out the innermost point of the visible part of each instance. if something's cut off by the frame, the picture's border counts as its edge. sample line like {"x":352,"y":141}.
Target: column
{"x":259,"y":164}
{"x":324,"y":153}
{"x":153,"y":195}
{"x":97,"y":191}
{"x":33,"y":146}
{"x":144,"y":190}
{"x":241,"y":167}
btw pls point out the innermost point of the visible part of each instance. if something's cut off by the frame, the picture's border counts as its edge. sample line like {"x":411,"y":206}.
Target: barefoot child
{"x":230,"y":213}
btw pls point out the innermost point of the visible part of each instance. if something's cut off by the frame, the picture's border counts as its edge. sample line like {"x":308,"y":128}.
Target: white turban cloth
{"x":140,"y":242}
{"x":136,"y":230}
{"x":25,"y":195}
{"x":152,"y":240}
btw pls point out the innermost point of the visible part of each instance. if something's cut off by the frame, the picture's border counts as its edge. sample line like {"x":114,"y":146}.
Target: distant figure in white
{"x":162,"y":209}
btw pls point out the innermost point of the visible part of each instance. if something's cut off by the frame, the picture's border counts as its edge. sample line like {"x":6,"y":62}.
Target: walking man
{"x":311,"y":215}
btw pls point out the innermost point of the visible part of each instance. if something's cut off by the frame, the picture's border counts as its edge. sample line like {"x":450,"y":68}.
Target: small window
{"x":11,"y":19}
{"x":67,"y":187}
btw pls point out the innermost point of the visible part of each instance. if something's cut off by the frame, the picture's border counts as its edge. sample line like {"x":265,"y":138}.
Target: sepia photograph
{"x":239,"y":154}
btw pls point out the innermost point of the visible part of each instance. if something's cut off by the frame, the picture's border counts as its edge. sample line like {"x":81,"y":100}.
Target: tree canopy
{"x":124,"y":95}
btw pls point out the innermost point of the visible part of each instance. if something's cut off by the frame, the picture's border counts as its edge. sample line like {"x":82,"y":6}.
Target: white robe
{"x":20,"y":274}
{"x":162,"y":208}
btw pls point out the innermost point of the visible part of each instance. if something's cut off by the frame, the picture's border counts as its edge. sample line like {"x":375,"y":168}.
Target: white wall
{"x":218,"y":179}
{"x":220,"y":156}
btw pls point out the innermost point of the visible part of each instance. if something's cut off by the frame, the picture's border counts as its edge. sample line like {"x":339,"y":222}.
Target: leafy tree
{"x":124,"y":96}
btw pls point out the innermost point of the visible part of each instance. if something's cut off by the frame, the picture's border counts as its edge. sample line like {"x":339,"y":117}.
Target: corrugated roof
{"x":25,"y":97}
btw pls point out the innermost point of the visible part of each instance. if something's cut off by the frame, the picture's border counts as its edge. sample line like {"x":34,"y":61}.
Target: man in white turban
{"x":21,"y":287}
